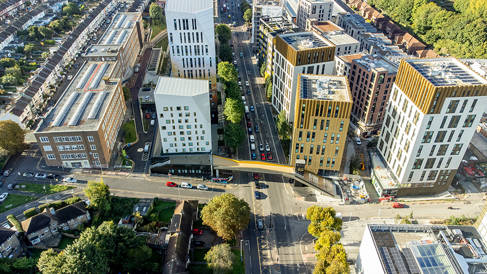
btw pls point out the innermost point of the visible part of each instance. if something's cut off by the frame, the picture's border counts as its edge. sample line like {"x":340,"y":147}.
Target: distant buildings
{"x":190,"y":29}
{"x":421,"y":249}
{"x":262,"y":9}
{"x":10,"y":246}
{"x":344,"y":43}
{"x":320,"y":10}
{"x":296,"y":53}
{"x":319,"y":137}
{"x":433,"y":110}
{"x":81,"y":130}
{"x":183,"y":112}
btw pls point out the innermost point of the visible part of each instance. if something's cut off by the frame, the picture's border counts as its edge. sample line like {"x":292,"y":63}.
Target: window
{"x":469,"y":120}
{"x":456,"y":149}
{"x":44,"y":139}
{"x":430,"y":121}
{"x":410,"y":177}
{"x":93,"y":147}
{"x":442,"y":150}
{"x":341,"y":125}
{"x":473,"y":105}
{"x":452,"y":107}
{"x":51,"y":157}
{"x":429,"y":163}
{"x":418,"y":163}
{"x":440,"y":136}
{"x":443,"y":122}
{"x":460,"y":135}
{"x":432,"y":175}
{"x":91,"y":139}
{"x":454,"y":121}
{"x":95,"y":155}
{"x":427,"y":137}
{"x":47,"y":148}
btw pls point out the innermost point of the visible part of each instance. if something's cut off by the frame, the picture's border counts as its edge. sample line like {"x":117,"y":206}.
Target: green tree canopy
{"x":322,"y":219}
{"x":46,"y":32}
{"x":29,"y":48}
{"x":71,"y":9}
{"x":9,"y":80}
{"x":227,"y":215}
{"x":227,"y":72}
{"x":11,"y":136}
{"x":233,"y":110}
{"x":247,"y":16}
{"x":232,"y":90}
{"x":220,"y":258}
{"x":225,"y":53}
{"x":99,"y":195}
{"x":223,"y":33}
{"x":7,"y":62}
{"x":234,"y":135}
{"x":155,"y":12}
{"x":283,"y":128}
{"x":15,"y":71}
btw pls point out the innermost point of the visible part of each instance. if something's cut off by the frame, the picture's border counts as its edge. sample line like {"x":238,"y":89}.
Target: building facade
{"x":10,"y":246}
{"x":323,"y":107}
{"x":190,"y":29}
{"x":183,"y":112}
{"x":82,"y":128}
{"x":296,"y":53}
{"x":433,"y":110}
{"x":371,"y":78}
{"x":344,"y":43}
{"x":263,"y":9}
{"x":321,"y":10}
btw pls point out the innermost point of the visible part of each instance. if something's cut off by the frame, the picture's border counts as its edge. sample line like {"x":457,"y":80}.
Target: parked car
{"x":186,"y":185}
{"x":7,"y":172}
{"x":252,"y":138}
{"x":398,"y":205}
{"x":197,"y":231}
{"x":51,"y":176}
{"x":70,"y":180}
{"x":269,"y":156}
{"x":11,"y":186}
{"x":28,"y":174}
{"x":260,"y":224}
{"x":249,"y":124}
{"x":256,"y":176}
{"x":262,"y":156}
{"x":247,"y":83}
{"x":3,"y":196}
{"x":248,"y":91}
{"x":267,"y":147}
{"x":257,"y":195}
{"x":261,"y":147}
{"x":256,"y":129}
{"x":252,"y":108}
{"x":253,"y":156}
{"x":171,"y":184}
{"x":147,"y":115}
{"x":41,"y":175}
{"x":202,"y":187}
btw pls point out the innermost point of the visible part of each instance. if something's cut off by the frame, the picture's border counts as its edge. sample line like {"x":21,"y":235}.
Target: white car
{"x":267,"y":147}
{"x":186,"y":185}
{"x":247,"y":83}
{"x":3,"y":196}
{"x":202,"y":187}
{"x":41,"y":175}
{"x":70,"y":180}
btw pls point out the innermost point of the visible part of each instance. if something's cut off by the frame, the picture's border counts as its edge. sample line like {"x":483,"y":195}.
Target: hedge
{"x":11,"y":218}
{"x":30,"y":212}
{"x":60,"y":203}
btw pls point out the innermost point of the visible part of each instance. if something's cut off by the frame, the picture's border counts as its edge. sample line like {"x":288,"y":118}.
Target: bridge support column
{"x":217,"y":173}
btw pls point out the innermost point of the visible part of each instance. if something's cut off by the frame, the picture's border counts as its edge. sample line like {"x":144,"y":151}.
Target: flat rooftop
{"x":477,"y":65}
{"x":350,"y":57}
{"x":446,"y":72}
{"x":377,"y":63}
{"x":358,"y":22}
{"x":340,"y":37}
{"x":84,"y":101}
{"x":383,"y":174}
{"x":305,"y":40}
{"x":189,"y":6}
{"x":276,"y":23}
{"x":324,"y":87}
{"x":181,"y":86}
{"x":326,"y":26}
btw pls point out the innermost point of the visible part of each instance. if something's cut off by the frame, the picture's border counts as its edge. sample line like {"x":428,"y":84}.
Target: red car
{"x":171,"y":184}
{"x":197,"y":231}
{"x":256,"y":176}
{"x":249,"y":124}
{"x":398,"y":205}
{"x":262,"y":156}
{"x":269,"y":156}
{"x":147,"y":115}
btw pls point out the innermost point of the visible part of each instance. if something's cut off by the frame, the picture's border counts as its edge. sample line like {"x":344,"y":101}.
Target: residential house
{"x":10,"y":246}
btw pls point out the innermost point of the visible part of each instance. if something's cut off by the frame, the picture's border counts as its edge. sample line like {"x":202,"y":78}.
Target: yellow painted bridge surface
{"x":250,"y":166}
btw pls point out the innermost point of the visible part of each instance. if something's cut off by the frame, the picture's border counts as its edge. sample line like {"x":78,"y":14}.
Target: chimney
{"x":52,"y":211}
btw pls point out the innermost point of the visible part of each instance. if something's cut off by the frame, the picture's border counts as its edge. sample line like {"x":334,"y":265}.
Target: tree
{"x":9,"y":80}
{"x":247,"y":16}
{"x":155,"y":13}
{"x":233,"y":135}
{"x":24,"y":264}
{"x":233,"y":110}
{"x":99,"y":195}
{"x":262,"y":69}
{"x":7,"y":62}
{"x":45,"y":55}
{"x":268,"y":87}
{"x":232,"y":90}
{"x":220,"y":258}
{"x":223,"y":33}
{"x":227,"y":215}
{"x":322,"y":218}
{"x":56,"y":26}
{"x":29,"y":48}
{"x":34,"y":32}
{"x":227,"y":72}
{"x":283,"y":128}
{"x":225,"y":53}
{"x":71,"y":9}
{"x":14,"y":71}
{"x":11,"y":136}
{"x":46,"y":32}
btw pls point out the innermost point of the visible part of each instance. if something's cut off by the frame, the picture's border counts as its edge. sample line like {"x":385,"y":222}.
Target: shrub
{"x":11,"y":218}
{"x":30,"y":212}
{"x":72,"y":200}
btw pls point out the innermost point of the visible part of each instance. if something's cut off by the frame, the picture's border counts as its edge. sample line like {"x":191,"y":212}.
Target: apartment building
{"x":371,"y":78}
{"x":320,"y":10}
{"x":122,"y":41}
{"x":343,"y":64}
{"x":82,"y":128}
{"x":263,"y":9}
{"x":323,"y":107}
{"x":353,"y":24}
{"x":183,"y":111}
{"x":269,"y":28}
{"x":387,"y":248}
{"x":302,"y":52}
{"x":344,"y":43}
{"x":432,"y":113}
{"x":190,"y":29}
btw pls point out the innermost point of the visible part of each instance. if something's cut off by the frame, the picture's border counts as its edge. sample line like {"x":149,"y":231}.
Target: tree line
{"x":459,"y":29}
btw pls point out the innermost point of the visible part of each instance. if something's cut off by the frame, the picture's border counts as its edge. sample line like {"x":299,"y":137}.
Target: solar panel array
{"x":299,"y":39}
{"x":445,"y":73}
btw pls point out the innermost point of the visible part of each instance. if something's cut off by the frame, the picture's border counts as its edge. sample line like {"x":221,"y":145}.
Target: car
{"x":3,"y":196}
{"x":239,"y":79}
{"x":28,"y":174}
{"x":40,"y":175}
{"x":398,"y":205}
{"x":257,"y":195}
{"x":198,"y":243}
{"x":262,"y":156}
{"x":153,"y":115}
{"x":70,"y":180}
{"x":267,"y":147}
{"x":261,"y":147}
{"x":357,"y":141}
{"x":250,"y":130}
{"x":248,"y":91}
{"x":197,"y":231}
{"x":202,"y":187}
{"x":260,"y":224}
{"x":51,"y":176}
{"x":171,"y":184}
{"x":147,"y":115}
{"x":252,"y":108}
{"x":256,"y":176}
{"x":269,"y":156}
{"x":256,"y":129}
{"x":241,"y":54}
{"x":186,"y":185}
{"x":247,"y":83}
{"x":11,"y":186}
{"x":7,"y":172}
{"x":253,"y":156}
{"x":249,"y":124}
{"x":252,"y":138}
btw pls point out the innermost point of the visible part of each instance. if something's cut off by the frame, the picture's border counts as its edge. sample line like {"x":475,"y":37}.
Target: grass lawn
{"x":35,"y":253}
{"x":199,"y":269}
{"x":162,"y":44}
{"x":65,"y":241}
{"x":14,"y":200}
{"x":199,"y":254}
{"x":156,"y":29}
{"x":126,"y":94}
{"x":238,"y":266}
{"x":162,"y":211}
{"x":145,"y":124}
{"x":129,"y":134}
{"x":39,"y":188}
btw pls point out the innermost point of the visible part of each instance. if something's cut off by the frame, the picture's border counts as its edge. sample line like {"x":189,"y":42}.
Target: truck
{"x":246,"y":109}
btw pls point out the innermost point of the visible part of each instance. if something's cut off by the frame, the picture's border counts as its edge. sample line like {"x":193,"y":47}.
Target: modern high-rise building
{"x":371,"y":78}
{"x":323,"y":107}
{"x":183,"y":112}
{"x":431,"y":116}
{"x":344,"y":43}
{"x":320,"y":10}
{"x":190,"y":29}
{"x":302,"y":52}
{"x":81,"y":130}
{"x":261,"y":9}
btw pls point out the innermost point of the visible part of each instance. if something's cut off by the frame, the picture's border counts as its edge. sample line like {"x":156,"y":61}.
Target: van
{"x":252,"y":138}
{"x":146,"y":148}
{"x":246,"y":109}
{"x":152,"y":122}
{"x":243,"y":98}
{"x":252,"y":146}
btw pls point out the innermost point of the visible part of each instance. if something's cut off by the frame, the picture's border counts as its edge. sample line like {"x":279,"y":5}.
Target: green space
{"x":156,"y":29}
{"x":199,"y":254}
{"x":120,"y":207}
{"x":145,"y":124}
{"x":15,"y":200}
{"x":238,"y":265}
{"x":49,"y":189}
{"x":65,"y":241}
{"x":162,"y":44}
{"x":126,"y":94}
{"x":129,"y":134}
{"x":162,"y":211}
{"x":199,"y":269}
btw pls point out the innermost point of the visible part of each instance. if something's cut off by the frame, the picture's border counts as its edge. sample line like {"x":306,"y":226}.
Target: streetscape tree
{"x":227,"y":72}
{"x":99,"y":195}
{"x":232,"y":90}
{"x":247,"y":16}
{"x":155,"y":13}
{"x":223,"y":33}
{"x":225,"y":53}
{"x":220,"y":258}
{"x":234,"y":135}
{"x":233,"y":110}
{"x":227,"y":215}
{"x":322,"y":219}
{"x":283,"y":128}
{"x":11,"y":136}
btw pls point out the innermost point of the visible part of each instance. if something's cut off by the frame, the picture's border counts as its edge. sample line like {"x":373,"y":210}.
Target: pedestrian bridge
{"x":319,"y":183}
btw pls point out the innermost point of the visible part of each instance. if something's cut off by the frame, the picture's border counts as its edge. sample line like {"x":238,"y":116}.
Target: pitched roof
{"x":5,"y":234}
{"x":70,"y":212}
{"x":36,"y":223}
